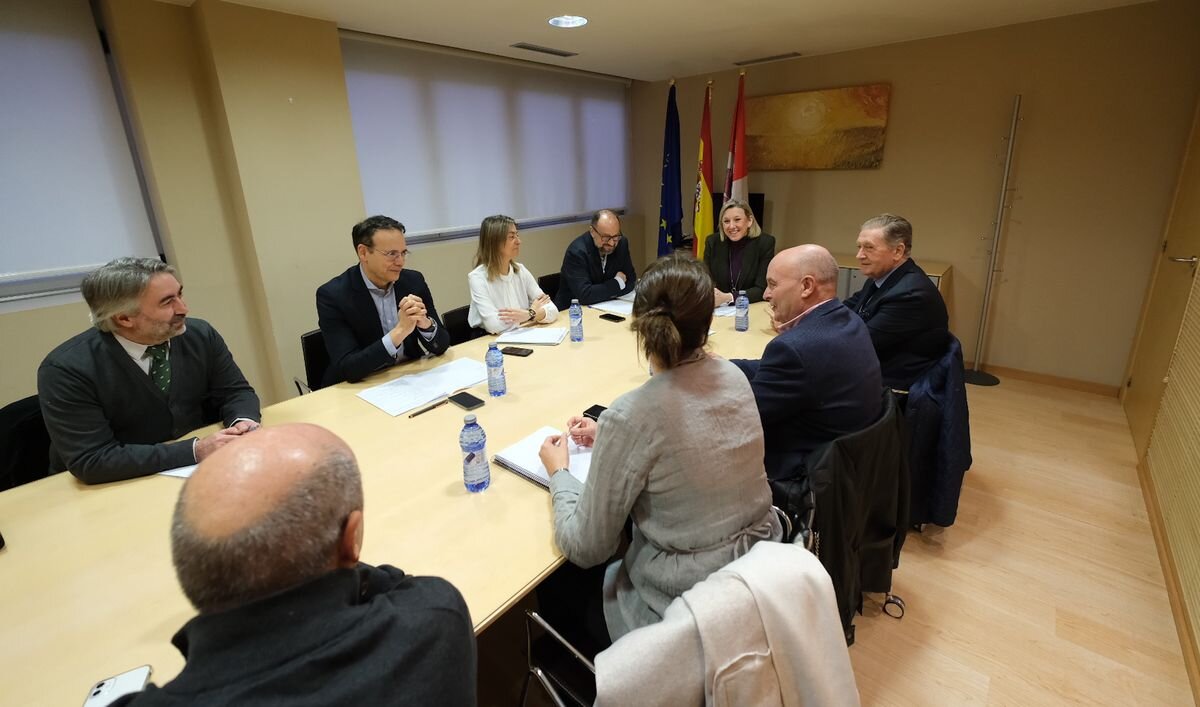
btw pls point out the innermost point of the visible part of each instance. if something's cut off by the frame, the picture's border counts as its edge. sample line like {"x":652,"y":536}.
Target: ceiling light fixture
{"x":568,"y":21}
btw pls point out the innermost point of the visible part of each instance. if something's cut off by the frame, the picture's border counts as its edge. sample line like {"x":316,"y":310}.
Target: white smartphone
{"x":108,"y":690}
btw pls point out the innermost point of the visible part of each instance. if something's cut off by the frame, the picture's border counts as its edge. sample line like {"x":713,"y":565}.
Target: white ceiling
{"x":657,"y":39}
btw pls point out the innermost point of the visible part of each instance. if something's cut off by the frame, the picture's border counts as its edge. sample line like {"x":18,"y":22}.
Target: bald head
{"x":798,"y":279}
{"x":279,"y":508}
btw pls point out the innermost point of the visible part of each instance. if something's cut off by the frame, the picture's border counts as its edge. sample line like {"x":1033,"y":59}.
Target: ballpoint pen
{"x":423,"y":410}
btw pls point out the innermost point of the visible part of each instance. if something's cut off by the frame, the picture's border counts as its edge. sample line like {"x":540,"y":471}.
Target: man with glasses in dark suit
{"x":901,"y":306}
{"x":597,"y":265}
{"x":377,"y":313}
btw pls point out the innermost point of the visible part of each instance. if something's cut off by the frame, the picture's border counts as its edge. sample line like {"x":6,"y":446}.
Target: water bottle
{"x":741,"y":316}
{"x":495,"y":365}
{"x":576,"y":321}
{"x":473,"y":442}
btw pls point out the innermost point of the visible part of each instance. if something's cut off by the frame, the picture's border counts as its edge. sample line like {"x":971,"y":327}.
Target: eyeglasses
{"x":390,"y":254}
{"x":608,"y":239}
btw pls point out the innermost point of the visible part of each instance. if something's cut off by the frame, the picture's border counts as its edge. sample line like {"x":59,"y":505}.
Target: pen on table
{"x":439,"y":403}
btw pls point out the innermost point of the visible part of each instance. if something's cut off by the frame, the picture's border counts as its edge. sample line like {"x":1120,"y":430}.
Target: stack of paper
{"x":725,"y":310}
{"x":620,"y":306}
{"x":522,"y":458}
{"x":539,"y":336}
{"x":417,"y":389}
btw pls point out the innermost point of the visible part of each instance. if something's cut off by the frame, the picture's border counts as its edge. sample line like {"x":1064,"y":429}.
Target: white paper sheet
{"x":725,"y":310}
{"x":537,"y":336}
{"x":620,"y":306}
{"x":417,"y":389}
{"x":522,"y":458}
{"x":181,"y":472}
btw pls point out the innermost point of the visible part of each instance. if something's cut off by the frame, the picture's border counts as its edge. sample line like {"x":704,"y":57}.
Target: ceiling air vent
{"x":765,"y":59}
{"x":543,"y":50}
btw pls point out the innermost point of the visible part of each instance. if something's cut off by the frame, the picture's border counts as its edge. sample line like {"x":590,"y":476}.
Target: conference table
{"x":87,"y":589}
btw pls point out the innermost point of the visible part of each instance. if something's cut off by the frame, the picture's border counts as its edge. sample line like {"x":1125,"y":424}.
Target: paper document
{"x":537,"y":336}
{"x":181,"y":472}
{"x":417,"y":389}
{"x":522,"y":458}
{"x":617,"y":306}
{"x":725,"y":310}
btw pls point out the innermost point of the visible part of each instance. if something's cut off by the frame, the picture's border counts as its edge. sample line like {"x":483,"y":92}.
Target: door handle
{"x":1191,"y":261}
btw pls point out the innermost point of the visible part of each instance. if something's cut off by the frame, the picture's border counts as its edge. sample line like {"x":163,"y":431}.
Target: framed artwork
{"x":837,"y":128}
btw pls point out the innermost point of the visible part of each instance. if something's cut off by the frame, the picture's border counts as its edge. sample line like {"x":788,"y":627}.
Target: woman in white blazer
{"x":504,"y":295}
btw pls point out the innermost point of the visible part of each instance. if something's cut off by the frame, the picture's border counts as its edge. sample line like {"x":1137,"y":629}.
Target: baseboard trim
{"x":1183,"y":624}
{"x":1111,"y":391}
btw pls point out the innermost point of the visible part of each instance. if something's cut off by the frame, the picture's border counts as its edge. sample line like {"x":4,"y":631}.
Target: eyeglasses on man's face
{"x":390,"y":254}
{"x":608,"y":239}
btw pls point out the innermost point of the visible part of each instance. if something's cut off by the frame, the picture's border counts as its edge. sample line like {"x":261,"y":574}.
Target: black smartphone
{"x":466,"y":401}
{"x":515,"y":351}
{"x":594,"y":412}
{"x":610,"y":317}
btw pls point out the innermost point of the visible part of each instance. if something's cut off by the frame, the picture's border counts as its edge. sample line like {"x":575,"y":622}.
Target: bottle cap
{"x":574,"y":301}
{"x":741,"y":292}
{"x":469,"y":419}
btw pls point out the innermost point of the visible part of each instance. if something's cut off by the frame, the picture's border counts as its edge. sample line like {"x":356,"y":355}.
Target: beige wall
{"x":1107,"y":102}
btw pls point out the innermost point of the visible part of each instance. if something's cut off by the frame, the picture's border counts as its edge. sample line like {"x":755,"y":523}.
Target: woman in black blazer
{"x":737,"y":255}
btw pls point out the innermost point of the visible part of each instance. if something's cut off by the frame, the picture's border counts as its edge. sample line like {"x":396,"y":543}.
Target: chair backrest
{"x":939,"y":427}
{"x":456,"y":325}
{"x":549,"y":284}
{"x":316,"y":357}
{"x":860,"y":483}
{"x":24,"y":443}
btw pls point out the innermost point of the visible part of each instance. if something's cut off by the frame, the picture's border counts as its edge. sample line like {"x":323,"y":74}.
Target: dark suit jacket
{"x":364,"y":636}
{"x":907,"y":320}
{"x":583,"y":279}
{"x":108,"y":421}
{"x":756,"y":258}
{"x":817,"y":381}
{"x":350,"y":325}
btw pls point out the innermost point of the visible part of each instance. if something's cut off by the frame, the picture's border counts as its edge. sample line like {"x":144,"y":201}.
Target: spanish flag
{"x":736,"y":181}
{"x":702,"y":217}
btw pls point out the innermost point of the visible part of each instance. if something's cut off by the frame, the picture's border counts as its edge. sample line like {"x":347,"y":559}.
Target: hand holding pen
{"x":582,"y":431}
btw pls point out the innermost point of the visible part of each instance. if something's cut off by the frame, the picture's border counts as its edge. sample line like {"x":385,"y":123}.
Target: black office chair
{"x":549,"y":284}
{"x":316,"y":360}
{"x":24,"y":443}
{"x":456,"y":325}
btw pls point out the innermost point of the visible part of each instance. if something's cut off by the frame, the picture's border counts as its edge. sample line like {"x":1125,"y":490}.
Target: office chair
{"x":456,"y":325}
{"x":316,"y":359}
{"x":565,"y":673}
{"x":549,"y":284}
{"x":24,"y":443}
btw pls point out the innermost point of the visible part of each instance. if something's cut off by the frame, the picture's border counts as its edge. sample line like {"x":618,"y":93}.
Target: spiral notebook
{"x":522,"y":458}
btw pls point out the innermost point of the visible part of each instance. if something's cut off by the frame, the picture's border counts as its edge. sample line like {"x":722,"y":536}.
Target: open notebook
{"x":522,"y":458}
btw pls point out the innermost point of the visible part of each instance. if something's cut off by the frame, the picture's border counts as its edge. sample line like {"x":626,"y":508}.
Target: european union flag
{"x":670,"y":203}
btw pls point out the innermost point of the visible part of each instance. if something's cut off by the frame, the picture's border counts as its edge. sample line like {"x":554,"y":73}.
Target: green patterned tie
{"x":160,"y":366}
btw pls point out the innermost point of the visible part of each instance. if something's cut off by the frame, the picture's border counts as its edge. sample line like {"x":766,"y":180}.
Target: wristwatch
{"x":561,"y":468}
{"x":532,"y":314}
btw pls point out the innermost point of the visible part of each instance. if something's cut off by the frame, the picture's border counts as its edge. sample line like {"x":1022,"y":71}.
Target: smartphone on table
{"x":515,"y":351}
{"x":109,"y":690}
{"x":610,"y":317}
{"x":466,"y":401}
{"x":593,"y":413}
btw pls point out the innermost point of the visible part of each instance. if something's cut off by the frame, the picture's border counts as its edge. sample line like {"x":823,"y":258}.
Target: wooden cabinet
{"x":851,"y":279}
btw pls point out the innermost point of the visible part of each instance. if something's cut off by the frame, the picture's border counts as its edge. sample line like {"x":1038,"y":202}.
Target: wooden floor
{"x":1047,"y":590}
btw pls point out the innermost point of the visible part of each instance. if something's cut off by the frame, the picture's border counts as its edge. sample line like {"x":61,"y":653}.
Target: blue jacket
{"x":940,"y":438}
{"x":817,"y":381}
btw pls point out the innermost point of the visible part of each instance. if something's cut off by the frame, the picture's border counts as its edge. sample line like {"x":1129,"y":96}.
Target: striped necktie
{"x":160,"y":366}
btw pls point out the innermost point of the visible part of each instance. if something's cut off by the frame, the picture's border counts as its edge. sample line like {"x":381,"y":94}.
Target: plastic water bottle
{"x":495,"y":365}
{"x":576,"y":321}
{"x":741,"y":315}
{"x":477,"y":475}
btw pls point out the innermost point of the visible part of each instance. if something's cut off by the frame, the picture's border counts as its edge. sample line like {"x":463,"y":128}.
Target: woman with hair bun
{"x":682,"y":455}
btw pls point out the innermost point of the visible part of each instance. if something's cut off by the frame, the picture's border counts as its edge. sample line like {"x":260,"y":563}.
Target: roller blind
{"x":70,"y":198}
{"x":445,"y":140}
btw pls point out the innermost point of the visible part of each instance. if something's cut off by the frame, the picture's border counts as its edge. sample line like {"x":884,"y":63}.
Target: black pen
{"x":422,"y":411}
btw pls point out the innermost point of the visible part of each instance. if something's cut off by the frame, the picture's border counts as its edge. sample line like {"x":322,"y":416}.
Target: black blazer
{"x":817,"y":381}
{"x":756,"y":258}
{"x":584,"y":280}
{"x":350,"y":325}
{"x":108,"y":421}
{"x":907,"y":320}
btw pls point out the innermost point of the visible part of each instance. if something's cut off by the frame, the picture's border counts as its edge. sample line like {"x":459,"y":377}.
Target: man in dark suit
{"x":597,"y":265}
{"x":819,"y":378}
{"x":265,"y":540}
{"x":377,"y":313}
{"x":113,"y":396}
{"x":902,"y":307}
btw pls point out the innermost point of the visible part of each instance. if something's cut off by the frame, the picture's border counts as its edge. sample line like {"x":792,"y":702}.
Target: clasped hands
{"x":521,"y":316}
{"x":554,"y":453}
{"x":210,"y":443}
{"x":410,"y":314}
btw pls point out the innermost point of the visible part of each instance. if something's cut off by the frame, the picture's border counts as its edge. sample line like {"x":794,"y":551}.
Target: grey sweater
{"x":683,"y":454}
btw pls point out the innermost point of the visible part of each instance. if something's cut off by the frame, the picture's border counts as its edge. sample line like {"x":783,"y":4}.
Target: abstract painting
{"x":838,"y":128}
